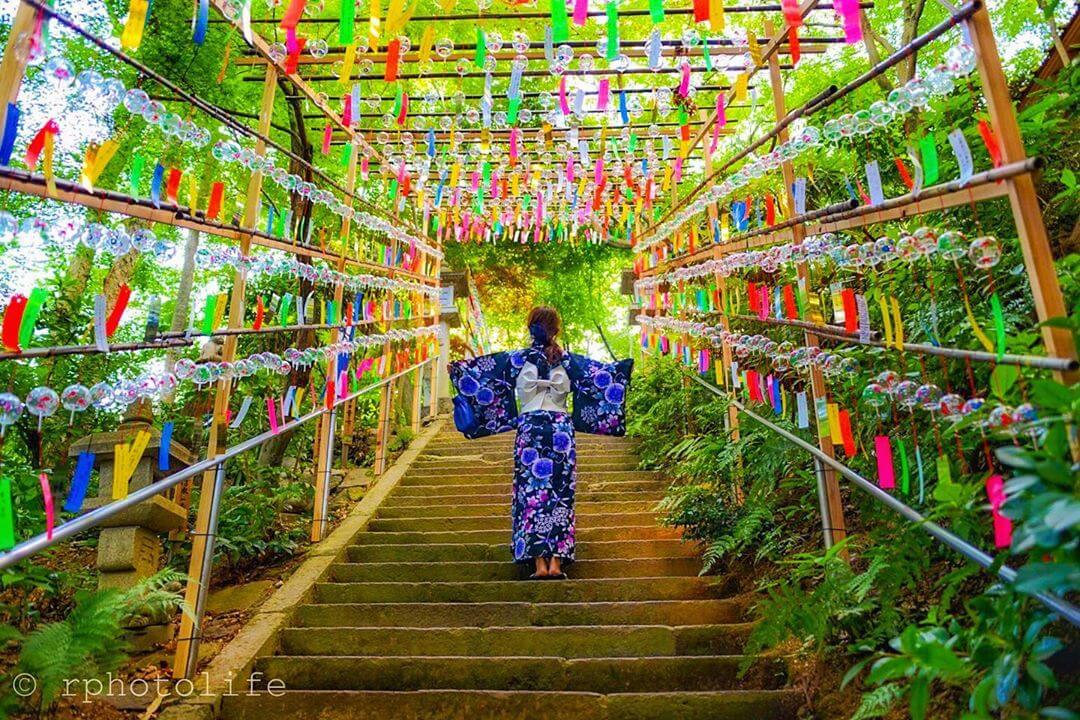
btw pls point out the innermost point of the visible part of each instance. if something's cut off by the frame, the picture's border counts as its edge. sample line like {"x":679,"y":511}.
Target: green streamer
{"x":944,"y":473}
{"x":487,"y":174}
{"x":633,"y":142}
{"x":905,"y":469}
{"x":138,"y":162}
{"x":656,"y":11}
{"x":7,"y":514}
{"x":612,"y":30}
{"x":331,"y":313}
{"x":800,"y":300}
{"x":30,"y":315}
{"x":481,"y":46}
{"x":346,"y":22}
{"x":209,"y":311}
{"x":283,"y":312}
{"x":279,"y":224}
{"x":560,"y":33}
{"x":392,"y":192}
{"x":512,"y":110}
{"x":919,"y":469}
{"x":928,"y":150}
{"x":346,"y":154}
{"x":999,"y":325}
{"x":526,"y":203}
{"x":705,"y":53}
{"x":397,"y":99}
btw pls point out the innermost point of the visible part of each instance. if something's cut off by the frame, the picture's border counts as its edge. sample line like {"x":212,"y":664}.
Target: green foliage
{"x":251,"y":527}
{"x":89,"y":642}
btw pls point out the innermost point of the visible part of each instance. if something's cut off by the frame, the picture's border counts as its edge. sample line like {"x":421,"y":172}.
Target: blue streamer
{"x":514,"y":90}
{"x":163,"y":449}
{"x":80,"y":480}
{"x":431,"y":142}
{"x":622,"y":108}
{"x":270,"y":221}
{"x":155,"y":184}
{"x":202,"y":17}
{"x":11,"y":130}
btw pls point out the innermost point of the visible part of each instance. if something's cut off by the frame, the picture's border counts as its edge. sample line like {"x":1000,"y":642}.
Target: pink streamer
{"x":763,"y":302}
{"x":598,"y":173}
{"x":581,"y":11}
{"x":995,"y":490}
{"x":678,"y":169}
{"x":564,"y":106}
{"x":569,"y":168}
{"x":603,"y":94}
{"x":328,"y":133}
{"x":50,"y":508}
{"x":271,"y":412}
{"x":364,"y":167}
{"x":292,"y":45}
{"x":684,"y":83}
{"x":883,"y":450}
{"x":514,"y":132}
{"x":346,"y":110}
{"x":721,"y":121}
{"x":343,"y":384}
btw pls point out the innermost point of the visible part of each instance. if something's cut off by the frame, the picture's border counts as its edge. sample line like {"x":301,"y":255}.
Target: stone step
{"x":501,"y":509}
{"x":461,"y":486}
{"x":603,"y":675}
{"x":499,"y":522}
{"x":476,"y":552}
{"x":512,"y":705}
{"x":505,"y":570}
{"x":584,"y":535}
{"x":475,"y":468}
{"x":482,"y":476}
{"x":572,"y":641}
{"x":522,"y":614}
{"x":400,"y":501}
{"x":543,"y":591}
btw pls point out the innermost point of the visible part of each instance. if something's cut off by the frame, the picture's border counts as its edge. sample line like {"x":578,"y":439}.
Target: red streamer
{"x":701,"y":10}
{"x":393,"y":55}
{"x":770,"y":210}
{"x":113,"y":321}
{"x":293,"y":58}
{"x":845,"y":433}
{"x":995,"y":490}
{"x":260,"y":313}
{"x":793,"y":45}
{"x":217,"y":192}
{"x":13,"y":317}
{"x":904,"y":174}
{"x":851,"y":311}
{"x":37,"y":144}
{"x":293,"y":13}
{"x":172,"y":185}
{"x":791,"y":310}
{"x":991,"y":142}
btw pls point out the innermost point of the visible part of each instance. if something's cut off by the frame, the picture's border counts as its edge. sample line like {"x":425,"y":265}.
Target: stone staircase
{"x":426,"y":617}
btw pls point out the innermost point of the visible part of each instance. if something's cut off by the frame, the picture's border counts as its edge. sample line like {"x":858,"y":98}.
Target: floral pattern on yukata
{"x":600,"y":394}
{"x":545,"y":478}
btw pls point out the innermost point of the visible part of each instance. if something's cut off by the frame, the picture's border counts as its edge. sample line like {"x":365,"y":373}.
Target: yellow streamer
{"x":347,"y":67}
{"x":898,"y":324}
{"x":132,"y":35}
{"x":219,"y":310}
{"x":886,"y":322}
{"x":716,"y":15}
{"x":740,"y":87}
{"x":393,"y":17}
{"x":755,"y":47}
{"x":979,"y":334}
{"x":47,"y":165}
{"x":373,"y":24}
{"x":427,"y":40}
{"x":126,"y":459}
{"x":834,"y":424}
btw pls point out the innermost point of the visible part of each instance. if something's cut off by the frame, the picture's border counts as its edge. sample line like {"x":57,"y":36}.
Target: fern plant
{"x":89,"y":642}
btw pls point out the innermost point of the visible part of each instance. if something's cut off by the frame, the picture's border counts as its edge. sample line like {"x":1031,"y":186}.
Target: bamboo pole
{"x":835,"y":529}
{"x":1027,"y":214}
{"x":187,"y":644}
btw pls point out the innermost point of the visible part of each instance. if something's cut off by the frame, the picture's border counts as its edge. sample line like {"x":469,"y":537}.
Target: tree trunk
{"x":273,"y":451}
{"x":183,"y":297}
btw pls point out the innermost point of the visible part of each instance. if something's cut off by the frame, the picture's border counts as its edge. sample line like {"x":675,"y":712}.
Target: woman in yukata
{"x":542,"y":377}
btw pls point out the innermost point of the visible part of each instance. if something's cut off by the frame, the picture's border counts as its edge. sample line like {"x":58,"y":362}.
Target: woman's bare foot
{"x":554,"y":569}
{"x":541,"y":568}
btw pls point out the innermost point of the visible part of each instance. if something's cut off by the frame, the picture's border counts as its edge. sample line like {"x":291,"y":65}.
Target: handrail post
{"x":322,"y":495}
{"x":191,"y":641}
{"x":832,"y":510}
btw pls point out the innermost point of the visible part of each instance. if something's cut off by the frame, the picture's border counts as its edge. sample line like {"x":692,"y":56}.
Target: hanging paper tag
{"x":164,"y":446}
{"x":995,"y":491}
{"x":963,"y":154}
{"x":883,"y":452}
{"x":244,"y":407}
{"x":928,"y":153}
{"x":873,"y":182}
{"x":7,"y":515}
{"x":271,"y":414}
{"x":802,"y":411}
{"x":80,"y":481}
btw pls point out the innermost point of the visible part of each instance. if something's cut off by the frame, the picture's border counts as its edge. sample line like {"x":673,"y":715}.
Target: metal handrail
{"x":1060,"y":606}
{"x":95,"y":517}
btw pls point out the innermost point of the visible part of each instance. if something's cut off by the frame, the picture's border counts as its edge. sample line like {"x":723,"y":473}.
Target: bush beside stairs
{"x":425,"y":617}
